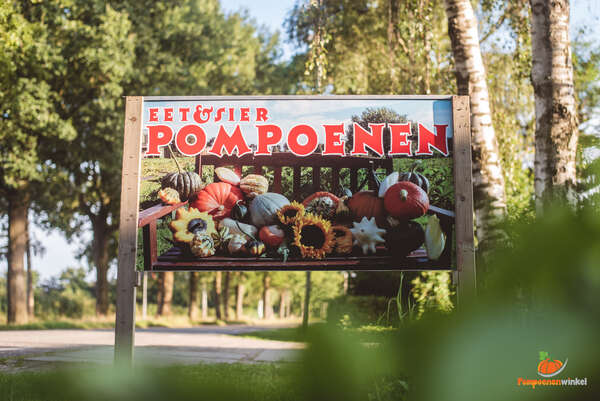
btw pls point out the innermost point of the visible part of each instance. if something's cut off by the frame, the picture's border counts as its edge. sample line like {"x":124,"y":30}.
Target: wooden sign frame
{"x":127,"y":276}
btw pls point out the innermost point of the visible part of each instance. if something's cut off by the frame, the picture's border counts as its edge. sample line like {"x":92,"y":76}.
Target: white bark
{"x":488,"y":179}
{"x":556,"y":131}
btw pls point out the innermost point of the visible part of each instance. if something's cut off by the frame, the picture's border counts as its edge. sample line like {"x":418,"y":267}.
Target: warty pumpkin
{"x":217,"y":199}
{"x":254,"y":184}
{"x":169,"y":196}
{"x":322,"y":203}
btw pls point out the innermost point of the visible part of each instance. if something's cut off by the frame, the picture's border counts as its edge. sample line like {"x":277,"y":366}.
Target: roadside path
{"x":155,"y":346}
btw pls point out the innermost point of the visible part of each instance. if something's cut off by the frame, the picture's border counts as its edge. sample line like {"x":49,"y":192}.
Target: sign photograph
{"x":297,"y":183}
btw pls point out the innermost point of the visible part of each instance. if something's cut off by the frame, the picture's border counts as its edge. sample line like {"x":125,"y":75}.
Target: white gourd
{"x":435,"y":239}
{"x":367,"y":235}
{"x":227,"y":175}
{"x":387,"y":183}
{"x":235,"y":227}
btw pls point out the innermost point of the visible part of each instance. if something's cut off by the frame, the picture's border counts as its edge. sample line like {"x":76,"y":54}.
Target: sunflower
{"x":190,"y":222}
{"x":313,"y":236}
{"x":289,"y":214}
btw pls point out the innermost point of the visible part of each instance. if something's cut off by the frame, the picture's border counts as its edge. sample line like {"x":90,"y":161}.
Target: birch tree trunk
{"x":265,"y":296}
{"x":556,"y":132}
{"x":226,"y":296}
{"x":488,"y":179}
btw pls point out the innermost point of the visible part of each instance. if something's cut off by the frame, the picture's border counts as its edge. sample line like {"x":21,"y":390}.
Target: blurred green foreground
{"x":542,"y":294}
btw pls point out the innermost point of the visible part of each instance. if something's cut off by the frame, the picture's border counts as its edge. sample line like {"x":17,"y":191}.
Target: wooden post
{"x":126,"y":275}
{"x":463,"y":189}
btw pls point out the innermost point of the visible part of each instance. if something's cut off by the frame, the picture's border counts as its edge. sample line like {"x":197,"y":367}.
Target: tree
{"x":31,"y":128}
{"x":556,"y":131}
{"x":488,"y":179}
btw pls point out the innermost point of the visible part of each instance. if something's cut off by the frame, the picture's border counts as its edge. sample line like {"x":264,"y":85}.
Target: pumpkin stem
{"x":174,"y":158}
{"x":403,"y":194}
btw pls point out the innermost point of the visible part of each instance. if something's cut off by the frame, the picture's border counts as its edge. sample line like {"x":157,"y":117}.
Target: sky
{"x":272,"y":14}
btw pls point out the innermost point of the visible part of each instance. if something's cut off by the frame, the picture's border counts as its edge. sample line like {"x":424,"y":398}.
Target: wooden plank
{"x":297,"y":176}
{"x":173,"y":260}
{"x":316,"y":178}
{"x":156,"y":212}
{"x":258,"y":169}
{"x":353,"y":179}
{"x":463,"y":189}
{"x":126,"y":274}
{"x":335,"y":180}
{"x":277,"y":179}
{"x":150,"y":244}
{"x":198,"y":165}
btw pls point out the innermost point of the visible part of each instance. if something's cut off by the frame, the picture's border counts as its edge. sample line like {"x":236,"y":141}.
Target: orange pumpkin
{"x":367,"y":204}
{"x":548,"y":366}
{"x":271,"y":235}
{"x":405,"y":200}
{"x":217,"y":199}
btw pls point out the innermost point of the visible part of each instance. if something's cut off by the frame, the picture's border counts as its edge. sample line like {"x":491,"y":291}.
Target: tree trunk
{"x":226,"y":296}
{"x":282,"y":304}
{"x":488,"y":179}
{"x":16,"y":282}
{"x":218,"y":295}
{"x":167,"y":296}
{"x":30,"y":289}
{"x":556,"y":132}
{"x":239,"y":301}
{"x":265,"y":295}
{"x":204,"y":302}
{"x":193,"y":301}
{"x":306,"y":308}
{"x":160,"y":296}
{"x":101,"y":258}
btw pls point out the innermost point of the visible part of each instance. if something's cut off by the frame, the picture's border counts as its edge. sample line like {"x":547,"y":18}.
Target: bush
{"x":355,"y":311}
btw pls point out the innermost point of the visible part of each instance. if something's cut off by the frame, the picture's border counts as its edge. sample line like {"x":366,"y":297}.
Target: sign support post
{"x":463,"y":193}
{"x":128,"y":227}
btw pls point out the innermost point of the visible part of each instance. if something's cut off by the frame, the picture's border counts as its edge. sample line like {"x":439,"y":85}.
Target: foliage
{"x":68,"y":296}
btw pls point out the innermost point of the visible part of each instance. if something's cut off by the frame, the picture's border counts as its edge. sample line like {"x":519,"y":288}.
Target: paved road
{"x":212,"y":344}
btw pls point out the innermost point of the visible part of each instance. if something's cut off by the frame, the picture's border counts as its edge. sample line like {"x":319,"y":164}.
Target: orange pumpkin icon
{"x":548,"y":366}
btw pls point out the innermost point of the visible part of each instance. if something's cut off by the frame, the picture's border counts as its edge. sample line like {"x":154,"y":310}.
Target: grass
{"x":214,"y":381}
{"x":368,"y":333}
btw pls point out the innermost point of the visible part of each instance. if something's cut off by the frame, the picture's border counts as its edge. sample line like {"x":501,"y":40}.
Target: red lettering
{"x":190,"y":149}
{"x":184,"y":113}
{"x":334,"y":145}
{"x":400,"y":144}
{"x":220,"y":112}
{"x":372,"y":138}
{"x":158,"y":136}
{"x":265,"y":140}
{"x":428,"y":140}
{"x":153,"y":114}
{"x":231,"y":116}
{"x":169,"y":114}
{"x":245,"y":114}
{"x":202,"y":115}
{"x":235,"y":141}
{"x":310,"y":145}
{"x":261,"y":114}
